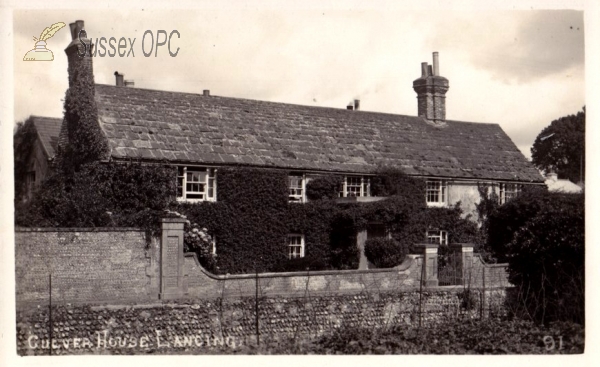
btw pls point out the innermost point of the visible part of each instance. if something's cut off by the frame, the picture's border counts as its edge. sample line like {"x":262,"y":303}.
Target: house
{"x":35,"y":151}
{"x":561,"y":185}
{"x":199,"y":133}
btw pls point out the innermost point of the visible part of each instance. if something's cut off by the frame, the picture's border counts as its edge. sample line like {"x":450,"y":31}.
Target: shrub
{"x":507,"y":219}
{"x":197,"y":240}
{"x":384,"y":252}
{"x":99,"y":195}
{"x":546,"y":261}
{"x":392,"y":181}
{"x":323,"y":187}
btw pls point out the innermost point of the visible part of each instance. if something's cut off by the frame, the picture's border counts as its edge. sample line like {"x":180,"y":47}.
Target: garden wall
{"x":87,"y":265}
{"x":210,"y":326}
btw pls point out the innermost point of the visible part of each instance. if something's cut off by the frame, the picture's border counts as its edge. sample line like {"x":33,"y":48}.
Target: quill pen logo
{"x":40,"y":52}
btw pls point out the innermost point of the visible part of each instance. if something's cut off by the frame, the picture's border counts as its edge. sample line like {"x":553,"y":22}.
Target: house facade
{"x":201,"y":133}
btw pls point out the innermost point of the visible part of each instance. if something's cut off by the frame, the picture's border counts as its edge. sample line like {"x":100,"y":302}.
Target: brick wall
{"x":99,"y":265}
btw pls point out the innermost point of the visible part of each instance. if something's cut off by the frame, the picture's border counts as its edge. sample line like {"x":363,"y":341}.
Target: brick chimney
{"x":431,"y":91}
{"x":77,"y":64}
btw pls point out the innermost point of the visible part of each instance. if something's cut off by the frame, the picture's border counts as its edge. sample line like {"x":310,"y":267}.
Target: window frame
{"x":209,"y":182}
{"x":441,"y":234}
{"x":294,"y":245}
{"x":514,"y":192}
{"x":364,"y":187}
{"x":441,"y":192}
{"x":302,"y":197}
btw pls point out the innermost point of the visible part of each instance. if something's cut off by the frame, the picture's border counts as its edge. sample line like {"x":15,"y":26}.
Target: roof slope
{"x":48,"y":129}
{"x":183,"y":127}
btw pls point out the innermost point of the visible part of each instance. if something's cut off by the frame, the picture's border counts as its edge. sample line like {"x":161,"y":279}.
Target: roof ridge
{"x":295,"y":104}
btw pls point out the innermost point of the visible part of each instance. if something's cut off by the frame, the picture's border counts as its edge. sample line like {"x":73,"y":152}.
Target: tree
{"x":561,"y":147}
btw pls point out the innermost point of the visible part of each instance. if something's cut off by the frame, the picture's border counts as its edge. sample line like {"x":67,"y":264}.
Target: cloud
{"x":517,"y":46}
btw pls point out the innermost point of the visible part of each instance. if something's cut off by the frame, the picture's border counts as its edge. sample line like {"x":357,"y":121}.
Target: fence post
{"x":50,"y":312}
{"x":430,"y":264}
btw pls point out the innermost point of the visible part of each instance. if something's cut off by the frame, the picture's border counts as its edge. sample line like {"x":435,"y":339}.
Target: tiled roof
{"x":193,"y":128}
{"x":48,"y":129}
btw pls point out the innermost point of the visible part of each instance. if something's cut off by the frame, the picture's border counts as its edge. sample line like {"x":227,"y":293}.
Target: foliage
{"x":561,"y":147}
{"x":23,"y":142}
{"x":392,"y":181}
{"x":323,"y":187}
{"x":86,"y":142}
{"x":546,"y":260}
{"x":490,"y":336}
{"x":197,"y":240}
{"x":384,"y":252}
{"x":101,"y":194}
{"x":508,"y":218}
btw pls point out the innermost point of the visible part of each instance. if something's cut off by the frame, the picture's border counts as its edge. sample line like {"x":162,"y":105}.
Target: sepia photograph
{"x":317,"y":179}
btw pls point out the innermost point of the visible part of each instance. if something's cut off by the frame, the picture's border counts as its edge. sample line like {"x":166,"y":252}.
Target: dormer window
{"x":436,"y":192}
{"x":196,"y":183}
{"x":355,"y":186}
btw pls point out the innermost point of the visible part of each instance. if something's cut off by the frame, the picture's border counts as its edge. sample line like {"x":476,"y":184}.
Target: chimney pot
{"x":436,"y":64}
{"x":357,"y":104}
{"x":423,"y":70}
{"x":206,"y":92}
{"x":119,"y":82}
{"x":128,"y":83}
{"x":349,"y":107}
{"x":76,"y":27}
{"x":429,"y":70}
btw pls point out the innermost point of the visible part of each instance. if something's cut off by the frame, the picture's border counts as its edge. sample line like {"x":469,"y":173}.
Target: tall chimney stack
{"x":431,"y":91}
{"x":79,"y":57}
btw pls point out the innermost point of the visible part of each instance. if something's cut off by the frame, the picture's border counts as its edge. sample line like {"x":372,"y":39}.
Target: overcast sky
{"x":520,"y":69}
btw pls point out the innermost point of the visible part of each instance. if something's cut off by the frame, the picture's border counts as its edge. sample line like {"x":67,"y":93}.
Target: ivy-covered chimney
{"x":431,"y":91}
{"x":81,"y":139}
{"x":79,"y":65}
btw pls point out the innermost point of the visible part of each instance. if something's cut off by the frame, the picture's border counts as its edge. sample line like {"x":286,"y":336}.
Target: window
{"x":295,"y":246}
{"x":355,"y":186}
{"x":436,"y":192}
{"x":508,"y":191}
{"x":297,"y":187}
{"x":196,"y":184}
{"x":439,"y":237}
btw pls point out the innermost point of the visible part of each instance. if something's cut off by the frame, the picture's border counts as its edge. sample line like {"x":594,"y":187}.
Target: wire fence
{"x":251,"y":311}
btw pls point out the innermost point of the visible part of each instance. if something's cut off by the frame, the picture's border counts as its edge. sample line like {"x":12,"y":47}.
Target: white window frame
{"x":508,"y":191}
{"x":437,"y":236}
{"x":364,"y":190}
{"x":210,"y":181}
{"x":297,"y":198}
{"x":441,"y":191}
{"x":291,"y":254}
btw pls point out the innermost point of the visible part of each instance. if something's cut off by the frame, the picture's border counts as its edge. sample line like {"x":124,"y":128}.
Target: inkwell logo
{"x":40,"y":52}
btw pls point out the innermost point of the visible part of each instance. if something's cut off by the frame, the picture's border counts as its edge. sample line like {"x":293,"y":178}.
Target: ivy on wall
{"x":23,"y":143}
{"x":251,"y":219}
{"x":86,"y":143}
{"x":125,"y":194}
